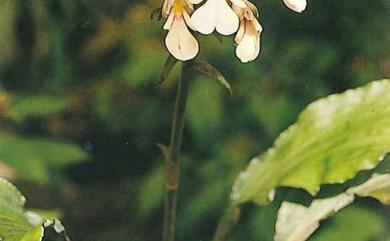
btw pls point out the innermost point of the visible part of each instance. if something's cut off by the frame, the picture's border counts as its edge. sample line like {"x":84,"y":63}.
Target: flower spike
{"x":223,"y":16}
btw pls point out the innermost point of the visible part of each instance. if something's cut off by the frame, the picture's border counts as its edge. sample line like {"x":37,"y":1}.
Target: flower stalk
{"x":227,"y":222}
{"x":172,"y":162}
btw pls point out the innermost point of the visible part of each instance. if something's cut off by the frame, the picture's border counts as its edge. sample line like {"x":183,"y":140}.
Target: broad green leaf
{"x":35,"y":217}
{"x":35,"y":234}
{"x":8,"y":11}
{"x":23,"y":107}
{"x":13,"y":224}
{"x":377,"y":187}
{"x":296,"y":222}
{"x":16,"y":224}
{"x":333,"y":139}
{"x":10,"y":197}
{"x":46,"y":214}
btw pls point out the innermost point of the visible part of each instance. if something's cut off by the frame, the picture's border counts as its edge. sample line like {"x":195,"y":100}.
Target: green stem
{"x":172,"y":161}
{"x":227,"y":222}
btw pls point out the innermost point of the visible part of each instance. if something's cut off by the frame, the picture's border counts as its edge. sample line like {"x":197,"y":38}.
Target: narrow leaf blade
{"x":168,"y":66}
{"x":206,"y":69}
{"x":156,"y":14}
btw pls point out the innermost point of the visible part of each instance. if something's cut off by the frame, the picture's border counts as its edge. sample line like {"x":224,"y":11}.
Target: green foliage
{"x":58,"y":153}
{"x":17,"y":224}
{"x":10,"y":197}
{"x":204,"y":93}
{"x":14,"y":224}
{"x":35,"y":159}
{"x":334,"y":138}
{"x":32,"y":157}
{"x":36,"y":234}
{"x":23,"y":107}
{"x":151,"y":192}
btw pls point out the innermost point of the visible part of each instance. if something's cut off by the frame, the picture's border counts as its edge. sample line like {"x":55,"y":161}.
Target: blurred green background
{"x":81,"y":112}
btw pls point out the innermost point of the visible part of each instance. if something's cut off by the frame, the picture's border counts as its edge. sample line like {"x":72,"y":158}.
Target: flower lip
{"x":195,"y":1}
{"x":248,"y":40}
{"x":179,"y":40}
{"x":215,"y":15}
{"x":296,"y":5}
{"x":178,"y":7}
{"x":248,"y":35}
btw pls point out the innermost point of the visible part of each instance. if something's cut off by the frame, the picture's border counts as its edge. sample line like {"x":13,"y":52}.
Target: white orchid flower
{"x":179,"y":40}
{"x":296,"y":5}
{"x":215,"y":15}
{"x":248,"y":35}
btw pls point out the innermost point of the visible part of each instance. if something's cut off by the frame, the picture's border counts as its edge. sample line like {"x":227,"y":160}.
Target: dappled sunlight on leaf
{"x":16,"y":224}
{"x":334,"y":138}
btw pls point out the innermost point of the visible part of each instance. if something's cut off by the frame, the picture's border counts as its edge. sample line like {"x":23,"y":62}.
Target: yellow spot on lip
{"x":178,"y":7}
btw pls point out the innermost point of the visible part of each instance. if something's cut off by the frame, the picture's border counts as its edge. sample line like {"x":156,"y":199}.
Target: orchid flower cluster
{"x":226,"y":17}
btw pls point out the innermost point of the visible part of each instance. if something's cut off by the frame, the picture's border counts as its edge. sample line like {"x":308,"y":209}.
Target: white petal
{"x":239,"y":3}
{"x":188,"y":20}
{"x":253,"y":8}
{"x":257,"y":25}
{"x":215,"y":14}
{"x":195,"y":1}
{"x":240,"y":33}
{"x":296,"y":5}
{"x":227,"y":20}
{"x":249,"y":47}
{"x":180,"y":42}
{"x":204,"y":18}
{"x":244,"y":8}
{"x":166,"y":8}
{"x":168,"y":23}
